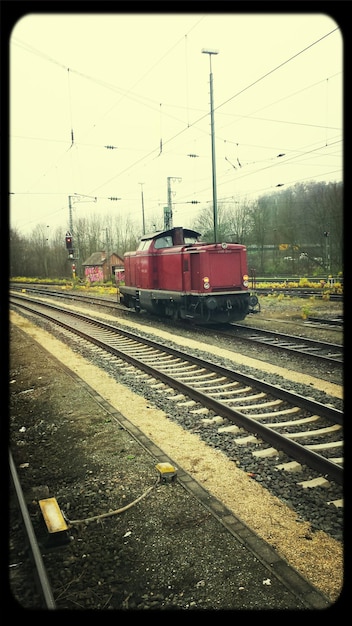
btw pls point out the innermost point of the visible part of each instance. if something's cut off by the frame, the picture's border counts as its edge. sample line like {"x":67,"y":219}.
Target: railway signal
{"x":69,"y":245}
{"x":69,"y":242}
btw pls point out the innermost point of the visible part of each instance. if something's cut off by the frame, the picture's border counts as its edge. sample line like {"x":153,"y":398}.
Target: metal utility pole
{"x":70,"y":218}
{"x":141,"y":184}
{"x":108,"y":263}
{"x":77,"y":198}
{"x":168,"y":213}
{"x":327,"y":250}
{"x":74,"y":252}
{"x":215,"y":207}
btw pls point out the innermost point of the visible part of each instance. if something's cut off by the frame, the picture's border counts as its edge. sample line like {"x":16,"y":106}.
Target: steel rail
{"x":292,"y":448}
{"x":43,"y":581}
{"x":305,"y":342}
{"x":299,"y":345}
{"x":328,"y":412}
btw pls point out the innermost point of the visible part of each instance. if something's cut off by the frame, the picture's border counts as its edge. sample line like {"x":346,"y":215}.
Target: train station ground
{"x":176,"y":548}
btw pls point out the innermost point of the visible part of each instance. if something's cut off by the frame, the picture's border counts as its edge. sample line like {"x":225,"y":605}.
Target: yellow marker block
{"x":167,"y":471}
{"x":52,"y":515}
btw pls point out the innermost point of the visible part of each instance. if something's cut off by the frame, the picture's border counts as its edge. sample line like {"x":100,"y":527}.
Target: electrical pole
{"x":74,"y":252}
{"x":141,"y":184}
{"x":107,"y":252}
{"x":168,"y":213}
{"x":70,"y":219}
{"x":327,"y":251}
{"x":215,"y":207}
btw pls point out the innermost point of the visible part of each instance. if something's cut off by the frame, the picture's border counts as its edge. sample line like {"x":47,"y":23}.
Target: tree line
{"x":296,"y":231}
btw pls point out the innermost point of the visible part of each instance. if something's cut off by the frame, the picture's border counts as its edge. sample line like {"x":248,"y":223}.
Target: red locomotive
{"x":173,"y":274}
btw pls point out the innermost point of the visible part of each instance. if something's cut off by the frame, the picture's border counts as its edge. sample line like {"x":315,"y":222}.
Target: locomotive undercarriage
{"x":209,"y":309}
{"x":216,"y":309}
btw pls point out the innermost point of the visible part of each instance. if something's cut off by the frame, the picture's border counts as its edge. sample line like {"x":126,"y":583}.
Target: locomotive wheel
{"x":171,"y":311}
{"x":175,"y":315}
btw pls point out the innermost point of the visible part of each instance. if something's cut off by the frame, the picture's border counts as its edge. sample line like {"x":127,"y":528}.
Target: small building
{"x":119,"y":275}
{"x":99,"y":268}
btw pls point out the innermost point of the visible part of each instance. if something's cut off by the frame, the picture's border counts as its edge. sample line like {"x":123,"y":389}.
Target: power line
{"x":152,"y":153}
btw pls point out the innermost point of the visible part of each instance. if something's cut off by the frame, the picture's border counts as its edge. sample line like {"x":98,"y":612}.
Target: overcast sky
{"x":140,"y":83}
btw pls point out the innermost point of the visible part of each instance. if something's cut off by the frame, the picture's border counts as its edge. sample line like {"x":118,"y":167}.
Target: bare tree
{"x":307,"y":218}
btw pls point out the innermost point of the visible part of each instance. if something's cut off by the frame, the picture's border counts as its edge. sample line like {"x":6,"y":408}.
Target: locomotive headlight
{"x":245,"y":280}
{"x":206,"y":283}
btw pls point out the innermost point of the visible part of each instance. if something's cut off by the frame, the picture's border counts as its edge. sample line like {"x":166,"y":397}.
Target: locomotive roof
{"x":188,"y":232}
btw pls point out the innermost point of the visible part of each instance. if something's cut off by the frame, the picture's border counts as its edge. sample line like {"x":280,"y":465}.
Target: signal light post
{"x":68,"y":239}
{"x":69,"y":245}
{"x":73,"y":254}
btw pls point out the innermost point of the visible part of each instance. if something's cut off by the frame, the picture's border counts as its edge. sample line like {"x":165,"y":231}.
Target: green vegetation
{"x":64,"y":284}
{"x":336,"y":287}
{"x":110,"y":289}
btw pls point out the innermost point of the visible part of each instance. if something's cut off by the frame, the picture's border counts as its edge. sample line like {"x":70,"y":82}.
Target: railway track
{"x":271,"y":421}
{"x":102,"y":566}
{"x":319,"y":350}
{"x":303,"y":293}
{"x":336,"y":321}
{"x":330,"y":353}
{"x":35,"y":573}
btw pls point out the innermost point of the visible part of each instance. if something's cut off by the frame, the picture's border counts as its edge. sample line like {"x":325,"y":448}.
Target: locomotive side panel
{"x":186,"y":271}
{"x":144,"y":271}
{"x":139,"y":270}
{"x":227,"y":268}
{"x":195,"y":271}
{"x":130,"y":268}
{"x":218,"y":269}
{"x":169,"y":264}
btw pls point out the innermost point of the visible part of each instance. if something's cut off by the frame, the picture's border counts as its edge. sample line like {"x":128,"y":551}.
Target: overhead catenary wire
{"x":161,"y":143}
{"x":276,"y":68}
{"x":150,"y":155}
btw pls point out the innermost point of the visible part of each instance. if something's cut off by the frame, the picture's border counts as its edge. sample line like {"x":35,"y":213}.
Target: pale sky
{"x":140,"y":83}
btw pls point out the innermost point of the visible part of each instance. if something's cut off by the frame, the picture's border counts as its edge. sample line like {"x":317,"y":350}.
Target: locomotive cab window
{"x":190,"y":240}
{"x":144,"y":245}
{"x":163,"y":242}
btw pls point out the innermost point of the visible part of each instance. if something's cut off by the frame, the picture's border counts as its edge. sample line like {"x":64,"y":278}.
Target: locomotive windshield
{"x":177,"y":236}
{"x":167,"y":242}
{"x":163,"y":242}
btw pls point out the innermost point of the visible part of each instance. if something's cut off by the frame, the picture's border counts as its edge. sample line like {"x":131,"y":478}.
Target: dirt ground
{"x":320,"y":559}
